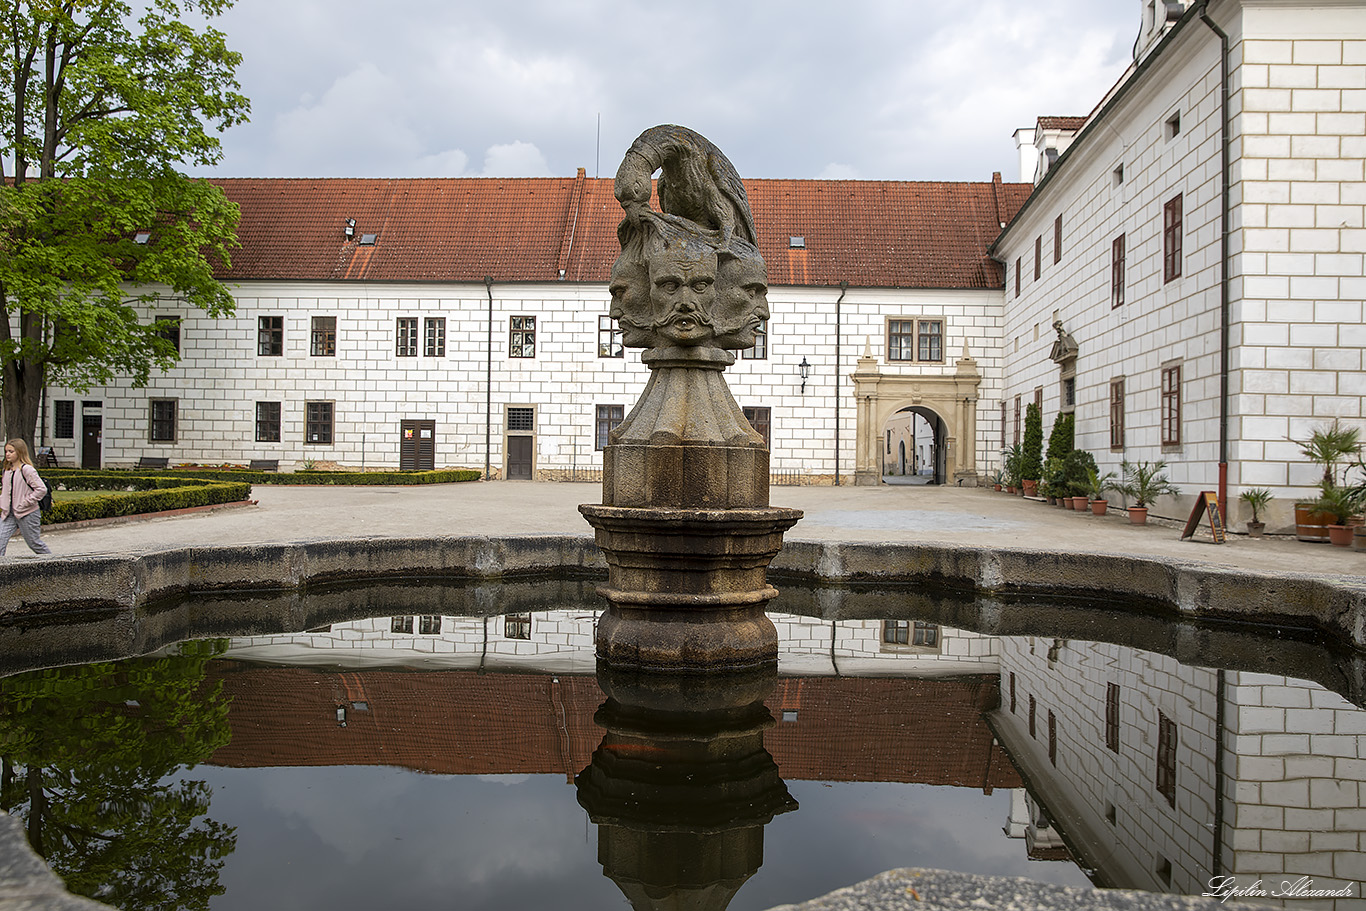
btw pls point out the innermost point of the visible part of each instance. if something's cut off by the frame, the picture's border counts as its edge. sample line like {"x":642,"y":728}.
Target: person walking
{"x":20,"y":493}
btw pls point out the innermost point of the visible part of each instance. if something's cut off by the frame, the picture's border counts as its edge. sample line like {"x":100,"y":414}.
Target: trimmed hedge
{"x":352,"y":478}
{"x":148,"y":494}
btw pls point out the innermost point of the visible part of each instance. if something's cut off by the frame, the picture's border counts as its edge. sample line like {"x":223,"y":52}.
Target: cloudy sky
{"x":871,"y":89}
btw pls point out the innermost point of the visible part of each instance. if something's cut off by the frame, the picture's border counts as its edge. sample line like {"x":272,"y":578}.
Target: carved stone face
{"x":741,"y":301}
{"x":683,"y":293}
{"x":631,"y":307}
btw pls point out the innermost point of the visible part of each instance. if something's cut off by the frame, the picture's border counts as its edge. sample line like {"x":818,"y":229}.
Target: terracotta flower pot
{"x":1010,"y":490}
{"x":1138,"y":515}
{"x":1255,"y":529}
{"x":1031,"y":487}
{"x":1098,"y":507}
{"x":1340,"y":535}
{"x":1079,"y":504}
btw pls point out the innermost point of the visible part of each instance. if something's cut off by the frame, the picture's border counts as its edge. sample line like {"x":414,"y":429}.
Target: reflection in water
{"x":682,"y":787}
{"x":1152,"y":773}
{"x":88,"y":755}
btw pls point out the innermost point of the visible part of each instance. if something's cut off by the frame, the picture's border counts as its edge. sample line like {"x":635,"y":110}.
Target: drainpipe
{"x":1224,"y":243}
{"x":488,"y":388}
{"x":1220,"y":722}
{"x":844,"y":288}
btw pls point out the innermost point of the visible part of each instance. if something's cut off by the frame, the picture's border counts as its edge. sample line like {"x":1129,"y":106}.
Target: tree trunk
{"x":20,"y":400}
{"x":37,"y":809}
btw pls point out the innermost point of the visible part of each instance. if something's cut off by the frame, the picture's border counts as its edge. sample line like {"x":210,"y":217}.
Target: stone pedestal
{"x":685,"y":525}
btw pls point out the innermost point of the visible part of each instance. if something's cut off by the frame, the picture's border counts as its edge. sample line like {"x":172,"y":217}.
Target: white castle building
{"x":1185,"y":310}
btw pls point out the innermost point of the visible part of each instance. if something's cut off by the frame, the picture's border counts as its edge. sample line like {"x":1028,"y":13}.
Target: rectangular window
{"x":318,"y":422}
{"x":434,"y":336}
{"x":1032,"y":707}
{"x":1171,"y":405}
{"x":1004,"y":406}
{"x":521,"y":419}
{"x":64,"y":419}
{"x":1017,"y":420}
{"x":1117,"y":272}
{"x":1173,"y":126}
{"x":1117,"y":414}
{"x":522,"y":336}
{"x":1038,"y":257}
{"x":517,"y":626}
{"x":1038,"y":399}
{"x":1017,"y":276}
{"x":609,"y":338}
{"x":1171,"y":239}
{"x":163,"y":421}
{"x":609,"y":416}
{"x":401,"y":625}
{"x":267,"y":422}
{"x":270,"y":336}
{"x":930,"y":333}
{"x":406,"y":333}
{"x":428,"y":625}
{"x":1057,"y":240}
{"x":758,"y":417}
{"x":323,"y":337}
{"x":1069,"y":393}
{"x":901,"y":340}
{"x":1052,"y":738}
{"x":896,"y":632}
{"x":1012,"y":692}
{"x":760,"y":350}
{"x":925,"y":634}
{"x":1166,"y":758}
{"x":168,"y":328}
{"x":1112,"y":717}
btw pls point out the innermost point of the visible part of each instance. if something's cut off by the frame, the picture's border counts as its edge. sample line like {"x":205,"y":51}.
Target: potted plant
{"x":1031,"y":453}
{"x":1097,"y":485}
{"x":1145,"y":482}
{"x":1076,"y":468}
{"x":1257,"y":498}
{"x":997,"y":479}
{"x":1339,"y":504}
{"x":1328,"y":447}
{"x":1051,"y":484}
{"x":1060,"y":440}
{"x":1012,"y":458}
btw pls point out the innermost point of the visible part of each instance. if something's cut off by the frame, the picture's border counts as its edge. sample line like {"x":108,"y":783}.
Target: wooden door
{"x":519,"y":458}
{"x":92,"y":434}
{"x":417,"y":446}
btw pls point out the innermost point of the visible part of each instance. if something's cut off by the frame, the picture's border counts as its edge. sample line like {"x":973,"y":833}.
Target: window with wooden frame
{"x":1012,"y":692}
{"x":1032,"y":707}
{"x":168,"y":328}
{"x":162,"y":423}
{"x":1003,"y":424}
{"x":434,"y":336}
{"x":609,"y":338}
{"x":1052,"y":738}
{"x":1117,"y":414}
{"x":1057,"y":240}
{"x":64,"y":419}
{"x":323,"y":336}
{"x":318,"y":423}
{"x":522,"y":336}
{"x":406,"y":333}
{"x":1017,"y":420}
{"x":1171,"y":405}
{"x":1038,"y":399}
{"x":429,"y":625}
{"x":401,"y":625}
{"x":930,"y":336}
{"x":517,"y":626}
{"x":1038,"y":257}
{"x":267,"y":422}
{"x":1171,"y":239}
{"x":760,"y":418}
{"x":608,"y":417}
{"x":1112,"y":717}
{"x":900,"y":339}
{"x":270,"y":336}
{"x":760,"y":350}
{"x":1017,"y":276}
{"x":1166,"y":758}
{"x":1117,"y":272}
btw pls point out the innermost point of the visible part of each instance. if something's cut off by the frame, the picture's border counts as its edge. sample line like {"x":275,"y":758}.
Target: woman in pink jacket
{"x":20,"y":493}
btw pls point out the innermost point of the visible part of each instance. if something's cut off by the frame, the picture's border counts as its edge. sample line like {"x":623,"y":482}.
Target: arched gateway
{"x":953,"y":398}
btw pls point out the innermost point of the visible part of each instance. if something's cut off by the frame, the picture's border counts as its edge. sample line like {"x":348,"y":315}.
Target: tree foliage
{"x":104,"y":105}
{"x":90,"y":758}
{"x":1062,"y":439}
{"x":1032,"y":449}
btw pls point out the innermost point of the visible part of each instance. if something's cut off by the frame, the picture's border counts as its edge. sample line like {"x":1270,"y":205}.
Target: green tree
{"x":1032,"y":466}
{"x":88,"y":762}
{"x":1062,"y":438}
{"x":102,"y":107}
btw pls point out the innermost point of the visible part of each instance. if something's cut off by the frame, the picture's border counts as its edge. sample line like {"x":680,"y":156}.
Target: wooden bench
{"x":265,"y":464}
{"x":147,"y":462}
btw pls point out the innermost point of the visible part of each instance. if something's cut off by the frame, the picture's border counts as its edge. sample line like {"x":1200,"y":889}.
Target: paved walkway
{"x":973,"y":516}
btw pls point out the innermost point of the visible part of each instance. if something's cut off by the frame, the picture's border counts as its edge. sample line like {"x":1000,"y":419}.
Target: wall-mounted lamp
{"x":805,"y":370}
{"x":350,"y":229}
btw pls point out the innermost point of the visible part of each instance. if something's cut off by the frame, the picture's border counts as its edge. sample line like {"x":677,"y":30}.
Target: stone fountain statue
{"x":685,"y":523}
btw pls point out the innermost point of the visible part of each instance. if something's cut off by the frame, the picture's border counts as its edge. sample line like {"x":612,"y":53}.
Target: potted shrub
{"x":1012,"y":458}
{"x":1060,"y":440}
{"x":1031,"y":450}
{"x":1328,"y":447}
{"x":1097,"y":486}
{"x":1339,"y":504}
{"x":997,"y":479}
{"x":1145,"y":482}
{"x":1051,"y":484}
{"x":1257,"y":498}
{"x":1076,"y":468}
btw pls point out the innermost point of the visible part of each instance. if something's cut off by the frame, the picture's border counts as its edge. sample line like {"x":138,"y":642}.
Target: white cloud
{"x":515,"y":159}
{"x":836,"y":171}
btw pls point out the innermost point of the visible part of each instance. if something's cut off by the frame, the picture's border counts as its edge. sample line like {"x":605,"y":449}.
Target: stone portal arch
{"x":952,"y":398}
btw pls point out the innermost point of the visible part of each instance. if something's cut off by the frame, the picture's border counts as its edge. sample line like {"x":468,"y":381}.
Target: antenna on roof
{"x":597,"y":154}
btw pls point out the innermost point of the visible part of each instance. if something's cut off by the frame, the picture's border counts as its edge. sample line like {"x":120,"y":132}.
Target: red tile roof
{"x":868,"y":233}
{"x":1061,"y":123}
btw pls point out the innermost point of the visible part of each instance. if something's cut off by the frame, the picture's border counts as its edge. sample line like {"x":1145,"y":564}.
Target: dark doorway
{"x":92,"y":434}
{"x":417,"y":446}
{"x":519,"y":458}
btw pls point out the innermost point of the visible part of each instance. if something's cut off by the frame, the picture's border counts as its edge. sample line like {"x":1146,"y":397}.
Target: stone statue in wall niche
{"x":691,"y":275}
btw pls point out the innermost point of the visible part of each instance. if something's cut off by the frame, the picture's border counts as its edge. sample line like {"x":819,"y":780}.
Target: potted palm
{"x":1097,"y":486}
{"x":1144,"y":482}
{"x":997,"y":479}
{"x":1328,"y":447}
{"x":1257,"y":498}
{"x":1339,"y":504}
{"x":1012,"y":458}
